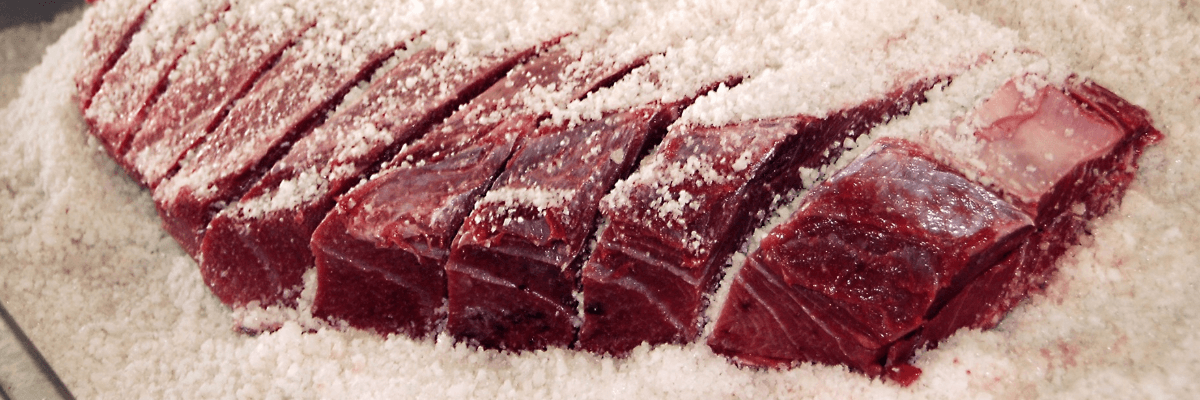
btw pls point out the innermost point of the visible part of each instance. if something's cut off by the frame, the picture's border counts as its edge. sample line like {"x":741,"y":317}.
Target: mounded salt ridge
{"x":533,"y":176}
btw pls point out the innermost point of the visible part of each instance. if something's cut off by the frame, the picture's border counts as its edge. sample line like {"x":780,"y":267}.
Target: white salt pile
{"x":120,"y":311}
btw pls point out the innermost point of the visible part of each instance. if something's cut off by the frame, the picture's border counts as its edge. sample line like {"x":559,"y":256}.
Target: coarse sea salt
{"x":119,"y":310}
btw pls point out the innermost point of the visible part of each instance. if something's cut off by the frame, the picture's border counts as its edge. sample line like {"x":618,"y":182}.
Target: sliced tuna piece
{"x":282,"y":107}
{"x":381,"y":252}
{"x":674,"y":222}
{"x":257,"y":249}
{"x":865,"y":286}
{"x":1070,"y":157}
{"x":213,"y":74}
{"x":871,"y":253}
{"x":133,"y":84}
{"x":512,"y":272}
{"x":110,"y":26}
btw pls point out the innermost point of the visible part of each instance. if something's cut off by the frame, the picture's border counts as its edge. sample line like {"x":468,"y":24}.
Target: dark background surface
{"x":14,"y":12}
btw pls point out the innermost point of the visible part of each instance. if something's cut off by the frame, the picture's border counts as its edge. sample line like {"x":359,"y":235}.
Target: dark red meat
{"x":864,"y":274}
{"x":410,"y":212}
{"x":872,"y":252}
{"x":206,"y":85}
{"x":283,"y":106}
{"x":513,"y":270}
{"x":258,"y":249}
{"x":673,"y":223}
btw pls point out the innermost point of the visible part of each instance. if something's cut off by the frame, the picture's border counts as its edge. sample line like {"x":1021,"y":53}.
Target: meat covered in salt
{"x":223,"y":64}
{"x":381,"y":252}
{"x":131,"y":87}
{"x":899,"y":250}
{"x":257,"y":249}
{"x":344,"y":47}
{"x":110,"y":26}
{"x":871,"y":252}
{"x":675,"y":221}
{"x":514,"y":268}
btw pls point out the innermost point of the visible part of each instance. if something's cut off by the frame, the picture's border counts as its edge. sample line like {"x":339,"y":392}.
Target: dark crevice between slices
{"x":650,"y":286}
{"x":513,"y":270}
{"x":401,"y":222}
{"x":260,"y":255}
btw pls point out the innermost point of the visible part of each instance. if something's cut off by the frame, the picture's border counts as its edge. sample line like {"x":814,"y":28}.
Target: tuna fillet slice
{"x":674,"y":222}
{"x":207,"y":82}
{"x":134,"y":83}
{"x":859,"y":276}
{"x":257,"y":249}
{"x":283,"y":106}
{"x":380,"y":253}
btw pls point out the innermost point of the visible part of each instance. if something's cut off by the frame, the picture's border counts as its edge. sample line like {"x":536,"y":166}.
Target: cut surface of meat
{"x":258,"y":248}
{"x":1111,"y":135}
{"x":411,"y":211}
{"x":133,"y":84}
{"x":283,"y":106}
{"x":111,"y":25}
{"x":674,"y":222}
{"x":207,"y":82}
{"x":872,"y":251}
{"x":511,"y":273}
{"x":863,"y":275}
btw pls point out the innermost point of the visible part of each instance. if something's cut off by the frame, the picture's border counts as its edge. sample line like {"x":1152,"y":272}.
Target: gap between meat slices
{"x":250,"y":39}
{"x":513,"y":271}
{"x":110,"y":27}
{"x":859,"y":276}
{"x":258,"y":248}
{"x":133,"y":84}
{"x":380,"y":253}
{"x":262,"y":125}
{"x":674,"y":222}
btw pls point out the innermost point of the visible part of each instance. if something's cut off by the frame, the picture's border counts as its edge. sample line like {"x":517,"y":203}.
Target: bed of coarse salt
{"x":120,"y":310}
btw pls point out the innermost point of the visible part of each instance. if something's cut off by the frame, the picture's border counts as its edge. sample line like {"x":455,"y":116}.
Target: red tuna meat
{"x":257,"y":249}
{"x":110,"y":26}
{"x":513,"y":270}
{"x":1110,"y":135}
{"x":326,"y":64}
{"x":871,"y":253}
{"x":380,"y":253}
{"x":133,"y":84}
{"x":779,"y":311}
{"x":674,"y":222}
{"x":207,"y":82}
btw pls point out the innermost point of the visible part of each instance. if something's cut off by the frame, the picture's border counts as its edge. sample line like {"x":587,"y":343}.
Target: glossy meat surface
{"x":873,"y":250}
